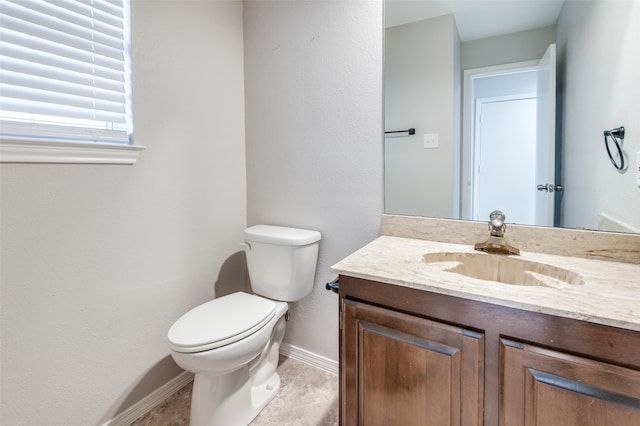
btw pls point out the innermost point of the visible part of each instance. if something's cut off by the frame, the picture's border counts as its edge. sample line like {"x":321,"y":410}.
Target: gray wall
{"x":598,"y":75}
{"x":313,"y":81}
{"x":98,"y":261}
{"x":422,"y":90}
{"x":506,"y":49}
{"x":423,"y":65}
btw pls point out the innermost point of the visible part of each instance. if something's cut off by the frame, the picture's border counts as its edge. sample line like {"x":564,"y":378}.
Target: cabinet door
{"x":400,"y":369}
{"x":549,"y":388}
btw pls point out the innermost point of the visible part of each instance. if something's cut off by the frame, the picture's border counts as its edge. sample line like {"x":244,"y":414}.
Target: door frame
{"x":468,"y":124}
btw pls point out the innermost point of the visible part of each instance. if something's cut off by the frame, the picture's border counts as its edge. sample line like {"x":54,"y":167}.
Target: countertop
{"x":609,"y":293}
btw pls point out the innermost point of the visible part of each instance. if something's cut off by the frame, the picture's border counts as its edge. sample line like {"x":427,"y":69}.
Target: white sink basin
{"x":504,"y":269}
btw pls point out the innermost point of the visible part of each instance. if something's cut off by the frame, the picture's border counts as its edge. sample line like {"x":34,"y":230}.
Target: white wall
{"x":98,"y":261}
{"x":313,"y":81}
{"x":505,"y":85}
{"x":421,"y":90}
{"x":598,"y":45}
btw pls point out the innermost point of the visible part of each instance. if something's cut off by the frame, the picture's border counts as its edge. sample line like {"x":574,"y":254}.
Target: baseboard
{"x":151,"y":401}
{"x":167,"y":390}
{"x":310,"y":358}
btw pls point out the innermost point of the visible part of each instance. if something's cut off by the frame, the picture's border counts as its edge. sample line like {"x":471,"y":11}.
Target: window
{"x":65,"y":85}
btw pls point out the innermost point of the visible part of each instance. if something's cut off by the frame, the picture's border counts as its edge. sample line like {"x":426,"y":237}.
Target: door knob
{"x":549,"y":187}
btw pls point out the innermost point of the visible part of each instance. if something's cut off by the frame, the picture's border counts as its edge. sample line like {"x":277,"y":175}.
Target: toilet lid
{"x":220,"y":322}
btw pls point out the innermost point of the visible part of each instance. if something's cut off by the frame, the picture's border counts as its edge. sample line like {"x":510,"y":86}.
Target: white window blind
{"x":65,"y":71}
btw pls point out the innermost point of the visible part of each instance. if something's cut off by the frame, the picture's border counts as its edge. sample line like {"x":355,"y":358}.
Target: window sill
{"x":32,"y":151}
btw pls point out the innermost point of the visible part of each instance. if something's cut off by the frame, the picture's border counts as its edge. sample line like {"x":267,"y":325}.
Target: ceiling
{"x":477,"y":18}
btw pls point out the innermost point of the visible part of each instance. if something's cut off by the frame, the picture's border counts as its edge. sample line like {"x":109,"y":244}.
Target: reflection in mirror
{"x":451,"y":69}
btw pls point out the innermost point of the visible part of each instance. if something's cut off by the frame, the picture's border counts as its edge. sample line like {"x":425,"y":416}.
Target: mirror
{"x":435,"y":51}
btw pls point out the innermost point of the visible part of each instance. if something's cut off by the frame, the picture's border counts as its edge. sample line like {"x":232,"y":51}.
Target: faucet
{"x":496,"y":242}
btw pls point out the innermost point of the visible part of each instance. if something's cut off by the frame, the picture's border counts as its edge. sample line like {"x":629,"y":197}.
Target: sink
{"x":504,"y":269}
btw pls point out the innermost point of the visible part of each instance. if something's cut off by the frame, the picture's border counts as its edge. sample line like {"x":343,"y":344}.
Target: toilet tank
{"x":281,"y":261}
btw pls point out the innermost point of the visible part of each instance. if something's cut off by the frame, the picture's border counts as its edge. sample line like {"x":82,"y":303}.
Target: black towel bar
{"x":411,"y":131}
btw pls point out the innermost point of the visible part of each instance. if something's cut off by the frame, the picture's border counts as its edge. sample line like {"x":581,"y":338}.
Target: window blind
{"x":65,"y":70}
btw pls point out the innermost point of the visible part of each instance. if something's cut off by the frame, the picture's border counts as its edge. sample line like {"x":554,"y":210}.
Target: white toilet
{"x":232,"y":343}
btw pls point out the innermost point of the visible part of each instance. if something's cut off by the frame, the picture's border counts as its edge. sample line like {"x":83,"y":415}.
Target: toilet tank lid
{"x":281,"y":235}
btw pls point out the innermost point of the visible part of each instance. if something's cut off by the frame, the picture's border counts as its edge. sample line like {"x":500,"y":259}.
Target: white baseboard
{"x":167,"y":390}
{"x":310,"y":358}
{"x":151,"y":401}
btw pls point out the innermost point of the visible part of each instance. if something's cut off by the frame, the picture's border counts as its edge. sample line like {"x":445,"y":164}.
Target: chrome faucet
{"x":496,"y":224}
{"x":496,"y":242}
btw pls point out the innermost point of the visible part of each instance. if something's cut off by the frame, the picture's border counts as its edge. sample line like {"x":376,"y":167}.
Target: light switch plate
{"x":430,"y":140}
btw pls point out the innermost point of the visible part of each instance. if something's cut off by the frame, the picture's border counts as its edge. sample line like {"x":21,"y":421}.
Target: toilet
{"x":232,"y":343}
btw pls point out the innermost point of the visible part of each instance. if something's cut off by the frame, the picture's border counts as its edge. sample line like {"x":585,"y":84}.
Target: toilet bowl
{"x":236,"y":378}
{"x":232,"y":343}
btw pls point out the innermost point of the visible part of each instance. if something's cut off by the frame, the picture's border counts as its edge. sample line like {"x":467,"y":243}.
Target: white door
{"x":505,"y":172}
{"x":541,"y":160}
{"x":546,"y":135}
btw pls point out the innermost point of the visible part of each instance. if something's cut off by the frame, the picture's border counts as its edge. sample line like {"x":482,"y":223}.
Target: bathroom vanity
{"x":423,"y":341}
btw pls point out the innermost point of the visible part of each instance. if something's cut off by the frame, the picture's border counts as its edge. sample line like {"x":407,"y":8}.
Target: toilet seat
{"x":220,"y":322}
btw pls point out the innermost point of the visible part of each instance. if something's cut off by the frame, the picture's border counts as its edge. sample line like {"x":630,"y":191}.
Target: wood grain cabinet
{"x":405,"y":369}
{"x":545,"y":387}
{"x":412,"y":357}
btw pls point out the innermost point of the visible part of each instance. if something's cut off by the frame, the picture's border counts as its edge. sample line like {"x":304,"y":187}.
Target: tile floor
{"x":308,"y":396}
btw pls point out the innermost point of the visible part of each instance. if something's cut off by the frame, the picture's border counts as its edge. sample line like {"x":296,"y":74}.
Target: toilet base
{"x":230,"y":400}
{"x":237,"y":397}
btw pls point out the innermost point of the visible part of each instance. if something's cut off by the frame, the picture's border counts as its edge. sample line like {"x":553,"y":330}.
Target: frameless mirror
{"x":505,"y":104}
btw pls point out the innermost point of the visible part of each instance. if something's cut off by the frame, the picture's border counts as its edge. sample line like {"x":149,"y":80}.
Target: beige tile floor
{"x":308,"y":396}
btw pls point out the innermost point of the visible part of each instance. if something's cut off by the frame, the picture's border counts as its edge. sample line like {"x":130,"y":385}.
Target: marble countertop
{"x":609,"y":293}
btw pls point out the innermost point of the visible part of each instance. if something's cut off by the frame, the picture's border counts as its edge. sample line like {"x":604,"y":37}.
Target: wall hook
{"x":616,"y":136}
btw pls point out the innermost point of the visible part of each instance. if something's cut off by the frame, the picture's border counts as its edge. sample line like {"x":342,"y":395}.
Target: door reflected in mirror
{"x":485,"y":157}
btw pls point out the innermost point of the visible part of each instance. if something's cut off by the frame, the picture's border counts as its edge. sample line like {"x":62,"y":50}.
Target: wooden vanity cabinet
{"x":403,"y":369}
{"x":564,"y":390}
{"x":412,"y":357}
